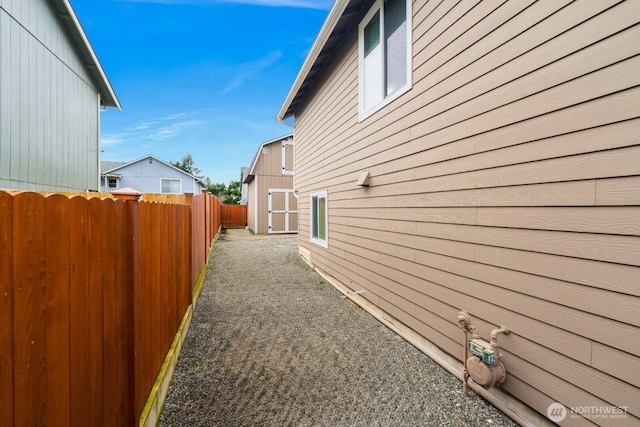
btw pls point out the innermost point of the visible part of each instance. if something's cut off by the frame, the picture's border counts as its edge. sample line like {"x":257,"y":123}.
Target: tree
{"x":187,"y":164}
{"x":219,"y":190}
{"x":229,"y":195}
{"x":234,"y":193}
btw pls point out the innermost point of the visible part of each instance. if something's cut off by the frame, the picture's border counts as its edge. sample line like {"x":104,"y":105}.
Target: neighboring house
{"x":484,"y":156}
{"x":272,"y":203}
{"x":52,"y":88}
{"x":148,"y":175}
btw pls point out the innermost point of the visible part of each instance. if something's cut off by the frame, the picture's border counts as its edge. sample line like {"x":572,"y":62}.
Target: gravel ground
{"x":272,"y":344}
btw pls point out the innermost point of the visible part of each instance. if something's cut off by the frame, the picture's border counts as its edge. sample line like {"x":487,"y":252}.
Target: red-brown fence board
{"x":78,"y":315}
{"x":30,"y":323}
{"x":234,"y":216}
{"x":115,"y":325}
{"x":92,"y":293}
{"x":58,"y":402}
{"x":97,"y":235}
{"x":6,"y":308}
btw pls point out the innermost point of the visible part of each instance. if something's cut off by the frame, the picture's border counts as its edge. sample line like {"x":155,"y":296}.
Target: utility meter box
{"x":482,"y":349}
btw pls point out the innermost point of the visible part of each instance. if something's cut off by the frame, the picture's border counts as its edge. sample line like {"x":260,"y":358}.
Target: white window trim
{"x":363,"y":114}
{"x":323,"y":243}
{"x":171,"y":179}
{"x":117,"y":182}
{"x":284,"y":157}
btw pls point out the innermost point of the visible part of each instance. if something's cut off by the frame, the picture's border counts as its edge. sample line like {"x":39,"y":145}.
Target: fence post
{"x":127,"y":193}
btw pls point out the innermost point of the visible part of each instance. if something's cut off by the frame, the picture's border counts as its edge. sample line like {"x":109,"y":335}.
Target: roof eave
{"x":68,"y":16}
{"x":336,"y":12}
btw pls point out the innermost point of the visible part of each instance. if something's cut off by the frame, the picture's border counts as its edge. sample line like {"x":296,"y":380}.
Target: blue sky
{"x":204,"y":77}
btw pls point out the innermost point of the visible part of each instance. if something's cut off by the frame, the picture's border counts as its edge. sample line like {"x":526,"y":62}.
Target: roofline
{"x":336,"y":12}
{"x":250,"y":173}
{"x":72,"y":23}
{"x":154,"y":158}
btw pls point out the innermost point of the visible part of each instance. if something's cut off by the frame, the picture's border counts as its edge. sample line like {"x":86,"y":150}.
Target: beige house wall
{"x":506,"y":182}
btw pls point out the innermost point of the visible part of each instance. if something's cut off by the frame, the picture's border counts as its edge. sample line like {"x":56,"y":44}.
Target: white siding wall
{"x":48,"y":105}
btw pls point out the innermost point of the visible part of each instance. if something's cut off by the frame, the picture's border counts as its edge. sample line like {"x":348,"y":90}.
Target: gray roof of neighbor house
{"x":69,"y":18}
{"x":342,"y":16}
{"x":106,"y":166}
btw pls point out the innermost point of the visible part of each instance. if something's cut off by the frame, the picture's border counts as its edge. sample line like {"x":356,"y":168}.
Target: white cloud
{"x":112,"y":139}
{"x":157,"y":129}
{"x":248,"y":70}
{"x":169,"y":130}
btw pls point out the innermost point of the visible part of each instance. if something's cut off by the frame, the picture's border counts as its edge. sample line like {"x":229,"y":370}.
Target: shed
{"x":272,"y":203}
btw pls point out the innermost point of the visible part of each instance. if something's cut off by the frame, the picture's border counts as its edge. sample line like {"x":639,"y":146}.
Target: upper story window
{"x":171,"y":185}
{"x":384,"y":45}
{"x":287,"y":157}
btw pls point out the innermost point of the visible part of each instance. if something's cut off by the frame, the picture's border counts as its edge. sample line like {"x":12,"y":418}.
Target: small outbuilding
{"x":272,"y":202}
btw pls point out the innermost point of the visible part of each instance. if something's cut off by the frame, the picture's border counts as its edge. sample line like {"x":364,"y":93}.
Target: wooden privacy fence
{"x":92,"y":292}
{"x":234,"y":216}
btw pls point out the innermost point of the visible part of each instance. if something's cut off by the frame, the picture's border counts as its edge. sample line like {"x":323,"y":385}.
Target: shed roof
{"x":70,"y":20}
{"x":341,"y":18}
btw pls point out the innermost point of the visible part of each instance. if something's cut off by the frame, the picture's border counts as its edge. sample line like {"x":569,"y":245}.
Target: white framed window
{"x":319,"y":219}
{"x":112,"y":182}
{"x":171,"y":185}
{"x":384,"y":46}
{"x":287,"y":157}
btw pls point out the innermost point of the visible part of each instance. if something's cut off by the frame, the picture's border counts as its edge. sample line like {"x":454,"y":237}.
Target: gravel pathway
{"x":272,"y":344}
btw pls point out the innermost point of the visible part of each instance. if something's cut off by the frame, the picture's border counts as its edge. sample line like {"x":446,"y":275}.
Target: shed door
{"x":283,"y":211}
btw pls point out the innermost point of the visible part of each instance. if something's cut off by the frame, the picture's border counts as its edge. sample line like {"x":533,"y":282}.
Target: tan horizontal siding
{"x":610,"y":220}
{"x":448,"y":258}
{"x":403,"y":302}
{"x":614,"y":333}
{"x":618,"y":191}
{"x":505,"y":182}
{"x":602,"y":51}
{"x":618,"y":363}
